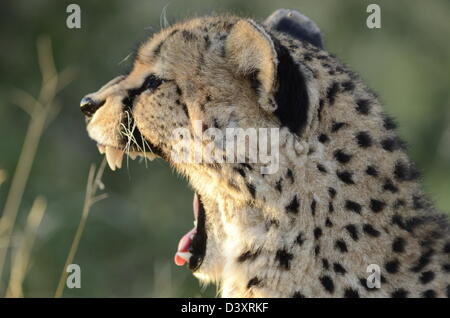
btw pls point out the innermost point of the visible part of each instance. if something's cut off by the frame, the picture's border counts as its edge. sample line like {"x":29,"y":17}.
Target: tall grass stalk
{"x":94,"y":183}
{"x":21,"y":256}
{"x":40,"y":111}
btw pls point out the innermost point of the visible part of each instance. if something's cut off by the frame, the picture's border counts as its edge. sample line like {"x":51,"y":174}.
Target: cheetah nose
{"x":89,"y":106}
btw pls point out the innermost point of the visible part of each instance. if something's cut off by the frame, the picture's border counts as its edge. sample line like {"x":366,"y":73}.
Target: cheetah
{"x":345,"y":195}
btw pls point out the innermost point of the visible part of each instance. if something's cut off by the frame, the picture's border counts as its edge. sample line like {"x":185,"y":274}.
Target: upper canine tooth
{"x":101,"y":149}
{"x":132,"y":155}
{"x":111,"y":157}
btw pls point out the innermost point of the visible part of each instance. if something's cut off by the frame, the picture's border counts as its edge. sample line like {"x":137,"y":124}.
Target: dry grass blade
{"x":39,"y":111}
{"x":94,"y":183}
{"x":3,"y":176}
{"x":21,"y":258}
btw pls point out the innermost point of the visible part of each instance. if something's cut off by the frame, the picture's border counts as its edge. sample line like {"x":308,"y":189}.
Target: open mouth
{"x":192,"y":246}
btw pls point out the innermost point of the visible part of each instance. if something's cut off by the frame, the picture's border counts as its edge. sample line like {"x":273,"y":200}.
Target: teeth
{"x":101,"y":149}
{"x":132,"y":155}
{"x":184,"y":255}
{"x":114,"y":157}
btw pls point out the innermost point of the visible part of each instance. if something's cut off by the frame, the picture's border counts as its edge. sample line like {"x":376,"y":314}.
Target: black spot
{"x":363,"y":106}
{"x":446,"y":267}
{"x":372,"y":171}
{"x":251,"y":189}
{"x":363,"y":139}
{"x":327,"y":283}
{"x":392,"y":266}
{"x":253,"y":282}
{"x":292,"y":207}
{"x":423,"y":261}
{"x":341,"y":156}
{"x":392,"y":143}
{"x":448,"y":291}
{"x":426,"y":277}
{"x":325,"y":264}
{"x":299,"y":240}
{"x":345,"y":177}
{"x":316,"y":250}
{"x":319,"y":110}
{"x":321,"y":168}
{"x":292,"y":94}
{"x":298,"y":294}
{"x":398,"y":245}
{"x":348,"y":85}
{"x":332,"y":193}
{"x":351,"y":229}
{"x":389,"y":186}
{"x":290,"y":175}
{"x":399,"y":293}
{"x":351,"y":293}
{"x":323,"y":138}
{"x":341,"y":246}
{"x":389,"y":123}
{"x":353,"y":206}
{"x":339,"y":269}
{"x":331,"y":92}
{"x":328,"y":223}
{"x":399,"y":203}
{"x":429,"y":294}
{"x":278,"y":185}
{"x":188,"y":35}
{"x":313,"y":207}
{"x":330,"y":207}
{"x":336,"y":126}
{"x":418,"y":202}
{"x":405,"y":171}
{"x":377,"y":205}
{"x":284,"y":258}
{"x":248,"y":256}
{"x":317,"y":233}
{"x":370,"y":230}
{"x":446,"y":248}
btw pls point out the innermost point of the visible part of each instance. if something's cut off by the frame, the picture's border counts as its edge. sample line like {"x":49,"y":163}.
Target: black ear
{"x":291,"y":93}
{"x":296,"y":25}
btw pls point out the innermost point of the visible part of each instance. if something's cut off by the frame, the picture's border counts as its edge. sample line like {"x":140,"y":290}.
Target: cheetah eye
{"x":152,"y":82}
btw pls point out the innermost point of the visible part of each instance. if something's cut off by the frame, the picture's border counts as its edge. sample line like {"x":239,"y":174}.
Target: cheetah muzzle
{"x":345,"y":196}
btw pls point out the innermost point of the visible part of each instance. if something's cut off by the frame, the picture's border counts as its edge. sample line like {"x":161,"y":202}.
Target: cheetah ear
{"x":253,"y":53}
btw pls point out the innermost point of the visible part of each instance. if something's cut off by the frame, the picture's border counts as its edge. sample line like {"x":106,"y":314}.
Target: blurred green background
{"x":128,"y":244}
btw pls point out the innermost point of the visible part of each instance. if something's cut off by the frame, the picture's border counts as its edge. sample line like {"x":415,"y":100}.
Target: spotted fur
{"x":346,"y":194}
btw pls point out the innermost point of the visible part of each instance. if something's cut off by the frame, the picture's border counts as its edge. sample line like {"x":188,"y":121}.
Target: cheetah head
{"x":213,"y":72}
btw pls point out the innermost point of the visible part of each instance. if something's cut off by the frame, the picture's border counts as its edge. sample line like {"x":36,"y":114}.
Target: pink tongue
{"x":183,"y":246}
{"x":186,"y":240}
